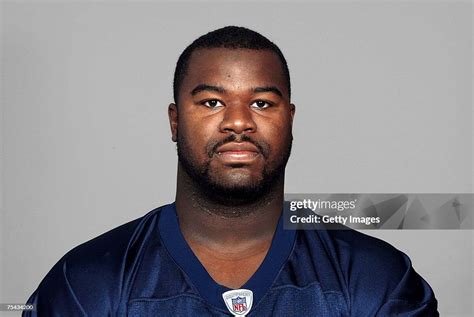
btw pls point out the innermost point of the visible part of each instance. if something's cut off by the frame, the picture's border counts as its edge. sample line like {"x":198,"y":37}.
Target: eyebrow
{"x":204,"y":87}
{"x":272,"y":89}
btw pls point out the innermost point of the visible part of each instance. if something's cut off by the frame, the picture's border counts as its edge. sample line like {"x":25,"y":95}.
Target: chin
{"x":238,"y":181}
{"x":236,"y":190}
{"x":230,"y":187}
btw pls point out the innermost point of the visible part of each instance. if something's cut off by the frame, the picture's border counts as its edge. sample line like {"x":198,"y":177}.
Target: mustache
{"x":262,"y":146}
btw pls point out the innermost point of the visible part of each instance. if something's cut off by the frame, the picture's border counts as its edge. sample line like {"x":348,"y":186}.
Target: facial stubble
{"x":219,"y":191}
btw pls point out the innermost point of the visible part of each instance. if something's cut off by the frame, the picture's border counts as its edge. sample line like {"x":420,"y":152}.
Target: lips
{"x":238,"y":152}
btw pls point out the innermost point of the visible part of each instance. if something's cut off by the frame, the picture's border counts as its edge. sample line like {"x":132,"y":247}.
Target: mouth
{"x":237,"y":156}
{"x":238,"y":152}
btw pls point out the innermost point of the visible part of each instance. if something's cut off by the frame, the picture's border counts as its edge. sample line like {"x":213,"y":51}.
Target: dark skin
{"x":224,"y":92}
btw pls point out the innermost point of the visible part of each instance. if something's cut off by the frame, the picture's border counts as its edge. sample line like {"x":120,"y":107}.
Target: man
{"x":221,"y":249}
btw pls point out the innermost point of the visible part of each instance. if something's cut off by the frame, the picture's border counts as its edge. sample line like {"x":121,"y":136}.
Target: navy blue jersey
{"x":146,"y":268}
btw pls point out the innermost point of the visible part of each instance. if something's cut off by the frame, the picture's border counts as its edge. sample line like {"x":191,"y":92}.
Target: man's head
{"x":233,"y":118}
{"x":231,"y":37}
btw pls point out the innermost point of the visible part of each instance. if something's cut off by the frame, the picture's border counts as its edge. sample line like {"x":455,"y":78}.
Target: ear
{"x":173,"y":118}
{"x":292,"y":112}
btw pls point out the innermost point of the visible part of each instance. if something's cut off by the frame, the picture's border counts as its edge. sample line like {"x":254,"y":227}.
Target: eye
{"x":213,"y":103}
{"x":260,"y":104}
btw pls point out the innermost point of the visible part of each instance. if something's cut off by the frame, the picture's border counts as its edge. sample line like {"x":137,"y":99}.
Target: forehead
{"x":234,"y":68}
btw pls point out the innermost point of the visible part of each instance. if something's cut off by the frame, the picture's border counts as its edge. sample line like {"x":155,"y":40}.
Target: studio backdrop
{"x":383,"y":105}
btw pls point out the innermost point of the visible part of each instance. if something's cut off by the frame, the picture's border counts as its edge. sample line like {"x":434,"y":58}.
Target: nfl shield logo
{"x":239,"y":304}
{"x":238,"y":301}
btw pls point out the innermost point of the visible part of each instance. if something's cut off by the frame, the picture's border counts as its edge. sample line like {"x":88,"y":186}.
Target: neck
{"x":204,"y":220}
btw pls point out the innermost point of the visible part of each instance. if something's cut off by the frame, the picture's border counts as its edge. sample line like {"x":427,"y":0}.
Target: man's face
{"x":233,"y":122}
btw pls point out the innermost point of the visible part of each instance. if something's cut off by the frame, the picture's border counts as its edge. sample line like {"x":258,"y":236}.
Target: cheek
{"x":276,"y":132}
{"x":195,"y":133}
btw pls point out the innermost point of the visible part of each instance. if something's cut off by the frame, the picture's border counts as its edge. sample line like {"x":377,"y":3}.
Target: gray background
{"x":383,"y":95}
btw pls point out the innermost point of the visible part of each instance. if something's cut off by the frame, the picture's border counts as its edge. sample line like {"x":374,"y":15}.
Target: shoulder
{"x":366,"y":252}
{"x":97,"y":271}
{"x":354,"y":256}
{"x":107,"y":249}
{"x":376,"y":273}
{"x":355,"y":251}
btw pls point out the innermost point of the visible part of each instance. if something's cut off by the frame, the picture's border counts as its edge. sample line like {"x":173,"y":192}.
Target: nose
{"x":238,"y":119}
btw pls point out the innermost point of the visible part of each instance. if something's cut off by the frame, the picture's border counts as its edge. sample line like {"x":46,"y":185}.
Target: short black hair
{"x":231,"y":37}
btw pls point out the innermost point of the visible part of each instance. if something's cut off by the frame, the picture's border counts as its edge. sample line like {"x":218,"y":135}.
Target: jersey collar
{"x":259,"y":283}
